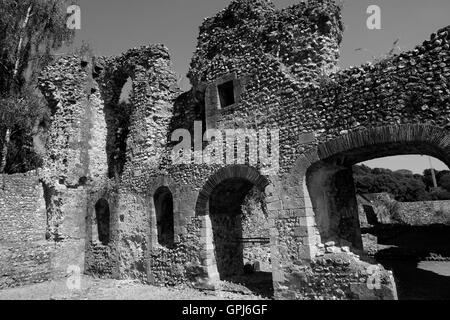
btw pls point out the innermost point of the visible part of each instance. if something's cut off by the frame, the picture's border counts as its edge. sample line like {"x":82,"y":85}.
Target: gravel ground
{"x":107,"y":289}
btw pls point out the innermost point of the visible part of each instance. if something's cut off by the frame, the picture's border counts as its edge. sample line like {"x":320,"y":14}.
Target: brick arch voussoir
{"x":162,"y":181}
{"x":414,"y":133}
{"x":435,"y":136}
{"x":234,"y":171}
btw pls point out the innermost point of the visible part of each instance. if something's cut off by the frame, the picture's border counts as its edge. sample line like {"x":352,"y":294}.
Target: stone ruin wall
{"x":255,"y":71}
{"x":408,"y":88}
{"x":28,"y":254}
{"x":424,"y":212}
{"x":75,"y":160}
{"x":267,"y":86}
{"x":25,"y":257}
{"x":367,"y":96}
{"x":153,"y":85}
{"x":272,"y":96}
{"x":284,"y":80}
{"x":256,"y":228}
{"x":130,"y":168}
{"x":327,"y":107}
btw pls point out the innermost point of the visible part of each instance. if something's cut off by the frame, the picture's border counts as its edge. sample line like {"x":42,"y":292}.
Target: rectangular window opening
{"x":226,"y":94}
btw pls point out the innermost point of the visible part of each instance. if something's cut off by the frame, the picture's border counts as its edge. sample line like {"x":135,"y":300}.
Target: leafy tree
{"x":20,"y":113}
{"x":444,"y":180}
{"x":415,"y":191}
{"x":30,"y":31}
{"x":428,"y":178}
{"x":381,"y":171}
{"x":361,"y":170}
{"x":440,"y":194}
{"x":364,"y":183}
{"x":439,"y":174}
{"x":402,"y":184}
{"x":404,"y":172}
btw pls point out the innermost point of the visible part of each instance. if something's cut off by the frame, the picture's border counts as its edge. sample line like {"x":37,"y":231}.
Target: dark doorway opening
{"x":102,"y":215}
{"x":241,"y":243}
{"x":163,"y":201}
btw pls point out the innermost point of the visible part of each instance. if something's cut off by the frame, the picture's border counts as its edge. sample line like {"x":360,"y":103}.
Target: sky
{"x":113,"y":26}
{"x":414,"y":163}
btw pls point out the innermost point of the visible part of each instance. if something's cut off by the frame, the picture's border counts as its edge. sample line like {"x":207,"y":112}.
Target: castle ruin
{"x":110,"y":200}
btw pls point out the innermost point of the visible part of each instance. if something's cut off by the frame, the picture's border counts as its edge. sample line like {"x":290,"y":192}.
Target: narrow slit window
{"x":103,"y":220}
{"x":164,"y":216}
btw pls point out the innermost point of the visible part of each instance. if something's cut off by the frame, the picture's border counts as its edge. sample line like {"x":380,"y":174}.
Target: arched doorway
{"x":231,"y":201}
{"x":163,"y":202}
{"x":226,"y":220}
{"x":329,"y":180}
{"x":330,"y":184}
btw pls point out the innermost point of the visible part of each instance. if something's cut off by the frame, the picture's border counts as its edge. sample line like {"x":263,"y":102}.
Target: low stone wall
{"x":383,"y":209}
{"x":338,"y":274}
{"x":280,"y":65}
{"x":25,"y":255}
{"x":22,"y":209}
{"x":423,"y":213}
{"x":28,"y":252}
{"x":178,"y":265}
{"x":101,"y":260}
{"x":21,"y":265}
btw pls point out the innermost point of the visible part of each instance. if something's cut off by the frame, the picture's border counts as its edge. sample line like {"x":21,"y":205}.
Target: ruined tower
{"x":250,"y":52}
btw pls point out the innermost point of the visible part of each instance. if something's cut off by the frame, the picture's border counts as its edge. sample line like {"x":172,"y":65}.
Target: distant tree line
{"x":403,"y":185}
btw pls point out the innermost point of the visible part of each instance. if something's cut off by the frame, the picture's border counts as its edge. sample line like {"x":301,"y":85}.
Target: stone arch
{"x":167,"y":183}
{"x":244,"y":176}
{"x":230,"y":172}
{"x":393,"y":139}
{"x":103,"y":217}
{"x":327,"y":181}
{"x":307,"y":201}
{"x":162,"y":181}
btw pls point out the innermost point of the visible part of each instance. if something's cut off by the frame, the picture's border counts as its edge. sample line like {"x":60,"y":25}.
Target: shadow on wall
{"x":414,"y":283}
{"x":232,"y":232}
{"x":333,"y":197}
{"x":117,"y":116}
{"x":412,"y":242}
{"x":408,"y":253}
{"x":226,"y":219}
